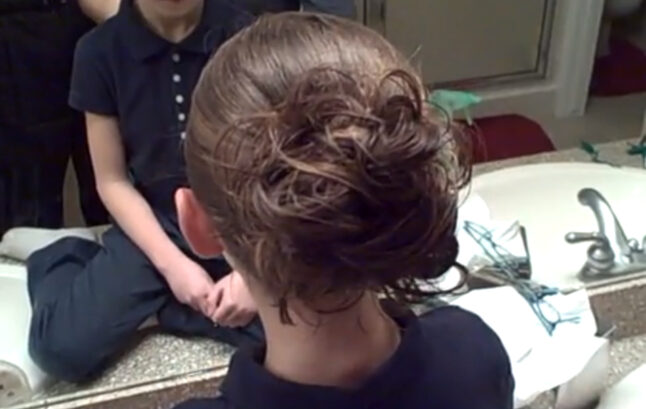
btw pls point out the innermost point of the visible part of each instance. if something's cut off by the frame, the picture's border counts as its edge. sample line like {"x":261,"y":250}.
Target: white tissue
{"x":540,"y":362}
{"x":471,"y":255}
{"x":504,"y":232}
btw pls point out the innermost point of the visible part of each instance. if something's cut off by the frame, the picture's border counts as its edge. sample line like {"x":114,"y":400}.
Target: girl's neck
{"x":174,"y":29}
{"x":344,"y":350}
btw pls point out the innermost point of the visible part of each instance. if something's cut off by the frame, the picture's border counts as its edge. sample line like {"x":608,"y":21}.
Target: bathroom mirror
{"x":574,"y":70}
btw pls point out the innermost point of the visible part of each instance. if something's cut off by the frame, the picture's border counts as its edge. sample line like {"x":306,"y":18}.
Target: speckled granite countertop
{"x":156,"y":357}
{"x":613,"y":152}
{"x":167,"y":361}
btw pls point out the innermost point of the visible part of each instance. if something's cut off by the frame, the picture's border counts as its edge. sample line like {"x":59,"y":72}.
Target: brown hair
{"x":312,"y":147}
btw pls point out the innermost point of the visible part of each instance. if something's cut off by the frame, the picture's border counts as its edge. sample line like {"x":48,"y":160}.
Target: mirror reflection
{"x":138,"y":254}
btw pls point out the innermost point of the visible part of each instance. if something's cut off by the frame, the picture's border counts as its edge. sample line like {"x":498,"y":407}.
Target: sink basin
{"x":543,"y":198}
{"x":629,"y":393}
{"x":19,"y":376}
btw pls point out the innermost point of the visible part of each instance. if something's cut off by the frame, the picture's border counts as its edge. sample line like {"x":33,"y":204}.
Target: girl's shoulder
{"x":99,"y":39}
{"x":462,"y":349}
{"x":465,"y":333}
{"x":450,"y":321}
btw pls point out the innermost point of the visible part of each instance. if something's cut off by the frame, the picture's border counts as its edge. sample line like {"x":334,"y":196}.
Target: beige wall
{"x":465,"y":39}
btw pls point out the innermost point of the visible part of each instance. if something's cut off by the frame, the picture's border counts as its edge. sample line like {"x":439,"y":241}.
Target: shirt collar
{"x":246,"y":373}
{"x":144,"y":43}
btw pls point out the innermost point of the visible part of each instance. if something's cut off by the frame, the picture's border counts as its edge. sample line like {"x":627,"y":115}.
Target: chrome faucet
{"x":611,"y":253}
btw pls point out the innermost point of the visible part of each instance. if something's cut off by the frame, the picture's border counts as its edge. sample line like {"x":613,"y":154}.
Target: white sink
{"x":19,"y":376}
{"x":629,"y":393}
{"x":544,"y":199}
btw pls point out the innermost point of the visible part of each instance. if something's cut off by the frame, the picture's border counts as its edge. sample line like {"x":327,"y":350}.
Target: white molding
{"x":564,"y":91}
{"x":575,"y":59}
{"x":531,"y":100}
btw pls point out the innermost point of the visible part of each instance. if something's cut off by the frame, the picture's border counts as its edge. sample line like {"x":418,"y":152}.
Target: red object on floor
{"x":509,"y":136}
{"x":621,"y":72}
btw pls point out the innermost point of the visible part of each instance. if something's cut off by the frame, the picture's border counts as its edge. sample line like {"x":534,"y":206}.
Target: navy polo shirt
{"x":123,"y":69}
{"x":447,"y":359}
{"x":343,"y":8}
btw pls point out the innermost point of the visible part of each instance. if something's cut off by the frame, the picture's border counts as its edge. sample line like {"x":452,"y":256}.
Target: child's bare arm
{"x":189,"y":282}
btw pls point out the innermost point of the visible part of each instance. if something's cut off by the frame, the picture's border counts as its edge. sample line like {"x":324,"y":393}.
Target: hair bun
{"x":321,"y":174}
{"x":361,"y":181}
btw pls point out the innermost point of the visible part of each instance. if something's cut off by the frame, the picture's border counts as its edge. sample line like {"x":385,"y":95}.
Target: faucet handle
{"x":634,"y":245}
{"x":600,"y":255}
{"x":574,"y":237}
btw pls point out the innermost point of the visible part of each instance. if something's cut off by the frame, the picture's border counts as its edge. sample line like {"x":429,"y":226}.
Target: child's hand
{"x":191,"y":285}
{"x":234,"y":305}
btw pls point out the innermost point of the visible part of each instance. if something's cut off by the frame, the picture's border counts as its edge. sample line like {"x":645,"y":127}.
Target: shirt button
{"x":176,"y":57}
{"x":176,"y":78}
{"x":181,"y":117}
{"x":182,"y":135}
{"x":179,"y":99}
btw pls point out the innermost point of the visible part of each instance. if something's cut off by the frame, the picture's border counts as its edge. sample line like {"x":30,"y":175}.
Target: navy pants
{"x":89,"y":300}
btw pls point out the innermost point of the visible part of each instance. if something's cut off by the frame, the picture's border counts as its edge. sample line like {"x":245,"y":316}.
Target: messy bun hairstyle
{"x":312,"y":147}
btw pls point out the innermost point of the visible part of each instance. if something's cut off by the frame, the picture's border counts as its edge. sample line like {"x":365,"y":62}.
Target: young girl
{"x":325,"y":179}
{"x":133,"y":77}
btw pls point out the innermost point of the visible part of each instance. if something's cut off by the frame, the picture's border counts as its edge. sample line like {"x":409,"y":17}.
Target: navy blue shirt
{"x":447,"y":359}
{"x":123,"y":69}
{"x":343,"y":8}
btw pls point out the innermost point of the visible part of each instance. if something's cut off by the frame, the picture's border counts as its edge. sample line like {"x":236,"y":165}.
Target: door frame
{"x":563,"y":91}
{"x":581,"y":26}
{"x":374,"y":15}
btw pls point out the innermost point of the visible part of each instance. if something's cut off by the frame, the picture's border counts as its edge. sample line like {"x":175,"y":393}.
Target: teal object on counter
{"x":509,"y":269}
{"x":639,"y":149}
{"x":454,"y":101}
{"x":595,"y":154}
{"x":591,"y":150}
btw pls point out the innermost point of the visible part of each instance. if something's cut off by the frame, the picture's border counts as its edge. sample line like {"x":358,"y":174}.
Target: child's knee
{"x":62,"y":354}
